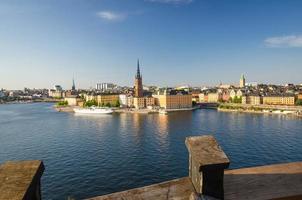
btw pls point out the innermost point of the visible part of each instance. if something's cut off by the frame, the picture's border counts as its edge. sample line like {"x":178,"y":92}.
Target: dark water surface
{"x":86,"y":156}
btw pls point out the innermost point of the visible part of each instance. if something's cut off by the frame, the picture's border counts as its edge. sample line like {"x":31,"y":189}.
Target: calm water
{"x":89,"y":156}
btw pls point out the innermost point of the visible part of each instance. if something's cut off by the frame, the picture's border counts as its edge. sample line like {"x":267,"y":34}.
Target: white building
{"x":104,"y":86}
{"x":123,"y":99}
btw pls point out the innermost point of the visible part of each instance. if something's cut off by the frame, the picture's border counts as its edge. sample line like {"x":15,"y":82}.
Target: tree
{"x":90,"y":103}
{"x":108,"y":105}
{"x":299,"y":102}
{"x":117,"y":104}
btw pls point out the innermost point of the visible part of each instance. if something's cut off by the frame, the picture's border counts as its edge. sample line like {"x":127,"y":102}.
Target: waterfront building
{"x":225,"y":95}
{"x":202,"y":97}
{"x":143,"y":102}
{"x":138,"y":84}
{"x":279,"y":100}
{"x":300,"y":96}
{"x":139,"y":102}
{"x":173,"y":99}
{"x":214,"y":97}
{"x":130,"y":101}
{"x":233,"y":93}
{"x":56,"y":94}
{"x":74,"y":100}
{"x":104,"y":99}
{"x":252,"y":99}
{"x":236,"y":93}
{"x":242,"y":81}
{"x":195,"y":96}
{"x":239,"y":93}
{"x":123,"y":99}
{"x":104,"y":87}
{"x":149,"y":101}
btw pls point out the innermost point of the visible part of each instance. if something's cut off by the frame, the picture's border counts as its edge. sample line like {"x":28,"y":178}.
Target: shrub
{"x":62,"y":103}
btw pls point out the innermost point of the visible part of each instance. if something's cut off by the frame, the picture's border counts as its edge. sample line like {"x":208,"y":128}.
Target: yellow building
{"x":74,"y":101}
{"x":174,"y":101}
{"x":279,"y":100}
{"x":104,"y":99}
{"x":139,"y":102}
{"x":202,"y":97}
{"x":252,"y":99}
{"x":143,"y":102}
{"x":214,"y":97}
{"x":150,"y":101}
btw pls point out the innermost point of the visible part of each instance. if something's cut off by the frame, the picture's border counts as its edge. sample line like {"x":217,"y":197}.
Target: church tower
{"x":138,"y":85}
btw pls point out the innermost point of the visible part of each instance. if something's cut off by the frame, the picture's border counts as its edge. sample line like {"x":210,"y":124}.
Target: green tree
{"x":117,"y":104}
{"x":108,"y":105}
{"x":90,"y":103}
{"x":299,"y":102}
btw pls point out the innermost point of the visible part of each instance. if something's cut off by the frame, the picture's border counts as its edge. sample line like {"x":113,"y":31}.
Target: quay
{"x":209,"y":179}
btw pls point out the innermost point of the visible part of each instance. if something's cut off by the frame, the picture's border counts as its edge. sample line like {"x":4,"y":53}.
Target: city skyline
{"x":183,"y":42}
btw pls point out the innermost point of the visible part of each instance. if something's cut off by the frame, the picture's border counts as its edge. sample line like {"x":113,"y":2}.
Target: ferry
{"x":93,"y":110}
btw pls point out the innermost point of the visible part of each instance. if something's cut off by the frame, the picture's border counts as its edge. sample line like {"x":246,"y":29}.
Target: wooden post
{"x":207,"y":162}
{"x":21,"y":180}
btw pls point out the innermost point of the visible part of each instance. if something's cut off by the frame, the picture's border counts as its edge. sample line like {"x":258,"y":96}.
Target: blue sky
{"x":195,"y":42}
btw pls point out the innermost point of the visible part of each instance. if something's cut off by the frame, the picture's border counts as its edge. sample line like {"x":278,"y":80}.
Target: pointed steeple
{"x":138,"y":73}
{"x":73,"y":84}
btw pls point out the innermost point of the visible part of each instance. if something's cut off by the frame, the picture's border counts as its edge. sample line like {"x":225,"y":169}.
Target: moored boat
{"x":93,"y":110}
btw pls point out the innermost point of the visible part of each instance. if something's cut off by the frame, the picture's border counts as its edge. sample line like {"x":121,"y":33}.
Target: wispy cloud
{"x":112,"y":16}
{"x":171,"y":1}
{"x":284,"y":41}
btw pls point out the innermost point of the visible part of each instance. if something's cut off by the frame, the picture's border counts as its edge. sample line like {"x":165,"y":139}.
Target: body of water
{"x":87,"y":156}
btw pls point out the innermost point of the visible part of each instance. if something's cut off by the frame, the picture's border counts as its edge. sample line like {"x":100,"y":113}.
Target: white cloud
{"x":171,"y":1}
{"x":284,"y":41}
{"x":112,"y":16}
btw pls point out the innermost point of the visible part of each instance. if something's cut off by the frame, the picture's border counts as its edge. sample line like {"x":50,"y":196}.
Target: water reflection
{"x":109,"y":153}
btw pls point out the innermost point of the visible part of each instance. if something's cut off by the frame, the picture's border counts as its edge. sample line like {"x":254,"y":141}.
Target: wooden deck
{"x":280,"y":182}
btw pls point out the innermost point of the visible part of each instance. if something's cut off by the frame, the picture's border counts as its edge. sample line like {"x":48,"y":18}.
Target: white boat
{"x":93,"y":110}
{"x":163,"y":112}
{"x":277,"y":111}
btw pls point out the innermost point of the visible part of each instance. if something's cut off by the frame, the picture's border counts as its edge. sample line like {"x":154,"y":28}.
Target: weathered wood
{"x":179,"y":189}
{"x":21,"y":180}
{"x":279,"y":182}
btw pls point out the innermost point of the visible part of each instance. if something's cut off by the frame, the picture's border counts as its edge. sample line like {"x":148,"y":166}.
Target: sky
{"x":178,"y":42}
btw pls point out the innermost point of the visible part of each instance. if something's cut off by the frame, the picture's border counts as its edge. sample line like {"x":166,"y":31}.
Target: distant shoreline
{"x":28,"y":102}
{"x":261,"y":109}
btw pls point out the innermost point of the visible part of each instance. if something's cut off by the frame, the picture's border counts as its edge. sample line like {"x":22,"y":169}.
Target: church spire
{"x":73,"y":84}
{"x":138,"y":73}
